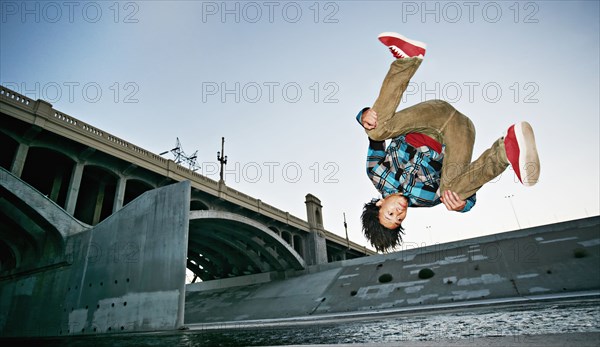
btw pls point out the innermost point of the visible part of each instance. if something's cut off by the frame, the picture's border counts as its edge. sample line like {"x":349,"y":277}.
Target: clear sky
{"x":283,"y":81}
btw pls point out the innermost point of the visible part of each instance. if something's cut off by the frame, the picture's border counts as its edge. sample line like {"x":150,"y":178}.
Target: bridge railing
{"x":16,"y":98}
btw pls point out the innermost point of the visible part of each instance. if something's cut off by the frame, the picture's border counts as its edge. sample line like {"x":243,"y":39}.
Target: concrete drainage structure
{"x":127,"y":273}
{"x":549,"y":260}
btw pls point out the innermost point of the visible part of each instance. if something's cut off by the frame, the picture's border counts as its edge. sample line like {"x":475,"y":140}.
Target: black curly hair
{"x":382,"y":238}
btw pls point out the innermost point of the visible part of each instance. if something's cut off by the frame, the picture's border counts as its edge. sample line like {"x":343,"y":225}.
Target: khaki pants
{"x":441,"y":121}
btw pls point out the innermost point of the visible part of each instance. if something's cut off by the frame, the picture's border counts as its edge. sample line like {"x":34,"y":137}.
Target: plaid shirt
{"x":415,"y":172}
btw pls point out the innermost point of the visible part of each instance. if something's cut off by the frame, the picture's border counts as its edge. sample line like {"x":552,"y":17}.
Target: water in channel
{"x":533,"y":319}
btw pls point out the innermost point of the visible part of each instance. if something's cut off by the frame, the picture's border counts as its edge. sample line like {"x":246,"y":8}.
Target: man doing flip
{"x":428,"y":160}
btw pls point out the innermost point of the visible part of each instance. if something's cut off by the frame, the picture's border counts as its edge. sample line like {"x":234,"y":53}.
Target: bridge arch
{"x":299,"y":244}
{"x":135,"y":187}
{"x":9,"y":148}
{"x":287,"y":237}
{"x":96,"y":194}
{"x":224,"y":244}
{"x":29,"y":236}
{"x":275,"y":230}
{"x":49,"y":171}
{"x":198,"y":205}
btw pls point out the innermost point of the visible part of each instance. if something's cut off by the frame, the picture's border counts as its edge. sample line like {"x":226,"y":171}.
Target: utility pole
{"x":346,"y":228}
{"x":222,"y":158}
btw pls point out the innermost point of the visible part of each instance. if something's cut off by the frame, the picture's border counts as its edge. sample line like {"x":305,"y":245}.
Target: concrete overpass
{"x":92,"y":174}
{"x":94,"y":228}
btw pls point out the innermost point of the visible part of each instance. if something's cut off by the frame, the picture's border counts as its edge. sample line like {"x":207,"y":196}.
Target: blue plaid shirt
{"x":415,"y":172}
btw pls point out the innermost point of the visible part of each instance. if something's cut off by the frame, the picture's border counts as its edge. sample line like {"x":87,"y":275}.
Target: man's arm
{"x":367,"y":118}
{"x":376,"y":153}
{"x":454,"y":203}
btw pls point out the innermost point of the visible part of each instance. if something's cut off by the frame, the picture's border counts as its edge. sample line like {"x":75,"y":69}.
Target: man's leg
{"x":459,"y":174}
{"x":428,"y":117}
{"x":392,"y":88}
{"x":517,"y":149}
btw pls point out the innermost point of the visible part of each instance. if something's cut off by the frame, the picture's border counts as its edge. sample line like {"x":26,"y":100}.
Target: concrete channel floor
{"x":579,"y":339}
{"x":390,"y":313}
{"x":590,"y":339}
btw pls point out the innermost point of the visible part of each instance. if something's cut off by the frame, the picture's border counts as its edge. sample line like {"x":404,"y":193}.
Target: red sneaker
{"x":401,"y":46}
{"x":521,"y":152}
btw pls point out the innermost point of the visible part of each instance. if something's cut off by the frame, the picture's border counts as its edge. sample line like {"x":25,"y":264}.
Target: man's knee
{"x":442,"y":106}
{"x":436,"y":108}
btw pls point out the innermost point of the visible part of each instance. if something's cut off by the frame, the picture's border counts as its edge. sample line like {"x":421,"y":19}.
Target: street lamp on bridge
{"x":221,"y":157}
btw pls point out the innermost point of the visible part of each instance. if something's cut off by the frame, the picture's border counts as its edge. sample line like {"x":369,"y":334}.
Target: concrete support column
{"x":316,"y":249}
{"x":56,"y":183}
{"x":316,"y":246}
{"x":314,"y":212}
{"x":99,"y":202}
{"x":73,"y":191}
{"x":119,"y":194}
{"x":19,"y":160}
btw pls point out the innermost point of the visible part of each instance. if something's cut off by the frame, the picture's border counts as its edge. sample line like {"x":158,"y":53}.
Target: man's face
{"x":392,"y":210}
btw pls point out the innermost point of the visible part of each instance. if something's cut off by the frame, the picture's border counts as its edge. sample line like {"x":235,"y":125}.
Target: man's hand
{"x":452,"y":201}
{"x":369,"y":119}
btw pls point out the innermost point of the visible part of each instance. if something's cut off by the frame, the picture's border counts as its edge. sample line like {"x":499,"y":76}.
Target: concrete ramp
{"x":126,"y":274}
{"x":546,"y":261}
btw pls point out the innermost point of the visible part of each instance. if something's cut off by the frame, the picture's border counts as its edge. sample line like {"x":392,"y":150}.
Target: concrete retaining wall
{"x":125,"y":274}
{"x":557,"y":258}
